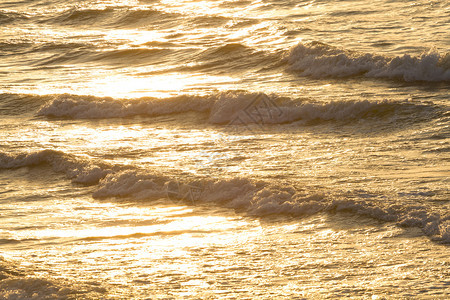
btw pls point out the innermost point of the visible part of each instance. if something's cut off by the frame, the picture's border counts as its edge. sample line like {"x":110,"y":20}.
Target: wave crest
{"x":18,"y":284}
{"x":7,"y":17}
{"x":80,"y":171}
{"x":232,"y":108}
{"x":245,"y":195}
{"x":90,"y":107}
{"x":320,"y":60}
{"x":110,"y":16}
{"x":260,"y":199}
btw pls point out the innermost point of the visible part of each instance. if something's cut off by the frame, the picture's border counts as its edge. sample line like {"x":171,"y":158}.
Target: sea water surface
{"x":224,"y":149}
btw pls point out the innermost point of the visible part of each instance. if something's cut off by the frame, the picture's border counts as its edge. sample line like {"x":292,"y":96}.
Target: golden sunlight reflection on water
{"x":143,"y":251}
{"x":111,"y":84}
{"x":309,"y":204}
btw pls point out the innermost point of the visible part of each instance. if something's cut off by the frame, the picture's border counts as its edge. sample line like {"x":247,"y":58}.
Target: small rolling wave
{"x":59,"y":49}
{"x":319,"y":60}
{"x":79,"y":170}
{"x":76,"y":16}
{"x":227,"y":49}
{"x":13,"y":47}
{"x":230,"y":58}
{"x":210,"y":21}
{"x":225,"y":59}
{"x":87,"y":54}
{"x":21,"y":104}
{"x":7,"y":17}
{"x":110,"y":16}
{"x":133,"y":54}
{"x":244,"y":195}
{"x":60,"y":46}
{"x":122,"y":16}
{"x":143,"y":16}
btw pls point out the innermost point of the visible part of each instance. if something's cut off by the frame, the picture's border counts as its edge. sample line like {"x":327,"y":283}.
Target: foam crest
{"x":15,"y":284}
{"x":244,"y":195}
{"x":262,"y":109}
{"x":90,"y":107}
{"x":320,"y":60}
{"x":80,"y":171}
{"x":131,"y":183}
{"x":228,"y":108}
{"x":260,"y":199}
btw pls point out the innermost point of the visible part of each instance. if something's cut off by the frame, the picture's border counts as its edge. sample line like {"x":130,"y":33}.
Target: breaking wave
{"x":233,"y":108}
{"x":320,"y":60}
{"x":90,"y":107}
{"x":80,"y":171}
{"x":261,"y":199}
{"x":244,"y":195}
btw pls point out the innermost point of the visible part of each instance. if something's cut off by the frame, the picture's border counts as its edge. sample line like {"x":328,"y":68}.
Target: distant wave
{"x":110,"y":16}
{"x":127,"y":17}
{"x":78,"y":16}
{"x":60,"y":46}
{"x":320,"y":60}
{"x":136,"y":17}
{"x":233,"y":108}
{"x":86,"y":53}
{"x":256,"y":198}
{"x":232,"y":58}
{"x":224,"y":59}
{"x":55,"y":49}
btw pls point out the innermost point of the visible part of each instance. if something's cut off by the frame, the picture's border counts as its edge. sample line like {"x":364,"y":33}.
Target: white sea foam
{"x":15,"y":284}
{"x":320,"y":60}
{"x":263,"y":109}
{"x":130,"y":183}
{"x":257,"y":198}
{"x":260,"y":199}
{"x":89,"y":107}
{"x":231,"y":108}
{"x":79,"y":170}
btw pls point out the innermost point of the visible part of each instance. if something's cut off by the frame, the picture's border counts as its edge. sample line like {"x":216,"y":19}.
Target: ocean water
{"x":224,"y":149}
